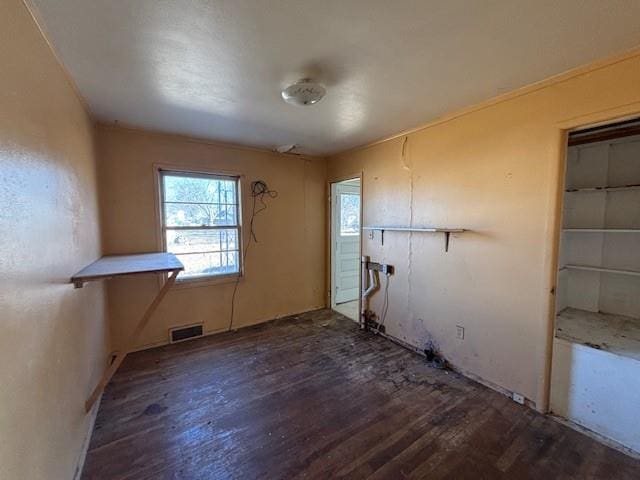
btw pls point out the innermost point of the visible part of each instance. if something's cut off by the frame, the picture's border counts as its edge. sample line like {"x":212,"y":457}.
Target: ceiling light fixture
{"x":286,"y":148}
{"x":303,"y":92}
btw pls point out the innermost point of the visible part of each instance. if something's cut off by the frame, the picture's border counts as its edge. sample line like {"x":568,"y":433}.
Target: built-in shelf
{"x":602,"y":230}
{"x":384,"y":228}
{"x":616,"y":334}
{"x":603,"y":189}
{"x":596,"y":354}
{"x":601,"y":269}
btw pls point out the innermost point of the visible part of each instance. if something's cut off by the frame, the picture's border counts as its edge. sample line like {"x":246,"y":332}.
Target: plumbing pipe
{"x":372,"y":285}
{"x":364,"y":260}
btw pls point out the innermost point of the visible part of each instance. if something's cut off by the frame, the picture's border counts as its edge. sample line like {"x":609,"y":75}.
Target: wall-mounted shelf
{"x":601,"y":230}
{"x":447,"y":232}
{"x":603,"y":189}
{"x":601,"y":269}
{"x":112,"y":266}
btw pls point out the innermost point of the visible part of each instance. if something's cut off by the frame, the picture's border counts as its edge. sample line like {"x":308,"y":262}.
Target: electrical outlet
{"x":518,"y":398}
{"x":460,"y":332}
{"x":387,"y":269}
{"x":383,"y":268}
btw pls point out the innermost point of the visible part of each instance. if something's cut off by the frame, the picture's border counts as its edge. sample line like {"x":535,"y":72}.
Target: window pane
{"x":349,"y":214}
{"x":201,"y":214}
{"x":198,"y":241}
{"x":179,"y":188}
{"x":201,"y":201}
{"x":203,"y":264}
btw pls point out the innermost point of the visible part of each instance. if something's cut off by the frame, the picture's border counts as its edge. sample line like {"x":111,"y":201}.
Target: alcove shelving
{"x":598,"y":302}
{"x":595,"y":365}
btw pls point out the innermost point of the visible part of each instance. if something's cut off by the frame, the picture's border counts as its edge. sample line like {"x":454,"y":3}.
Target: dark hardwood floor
{"x":313,"y":397}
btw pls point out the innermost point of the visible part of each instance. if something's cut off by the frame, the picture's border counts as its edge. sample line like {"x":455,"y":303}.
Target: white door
{"x":346,"y":241}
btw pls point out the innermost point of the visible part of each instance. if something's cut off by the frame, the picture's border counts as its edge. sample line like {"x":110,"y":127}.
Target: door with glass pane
{"x":346,"y":241}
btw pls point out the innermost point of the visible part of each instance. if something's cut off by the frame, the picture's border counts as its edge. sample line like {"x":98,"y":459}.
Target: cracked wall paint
{"x":494,"y":171}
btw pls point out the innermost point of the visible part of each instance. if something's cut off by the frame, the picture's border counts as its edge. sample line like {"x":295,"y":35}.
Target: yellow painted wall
{"x":495,"y":170}
{"x":284,"y":271}
{"x":54,"y":338}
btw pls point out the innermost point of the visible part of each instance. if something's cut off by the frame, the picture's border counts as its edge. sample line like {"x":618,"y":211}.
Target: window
{"x":349,"y":214}
{"x":200,"y":222}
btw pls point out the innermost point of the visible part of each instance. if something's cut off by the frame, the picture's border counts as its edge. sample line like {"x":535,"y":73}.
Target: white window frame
{"x":213,"y":278}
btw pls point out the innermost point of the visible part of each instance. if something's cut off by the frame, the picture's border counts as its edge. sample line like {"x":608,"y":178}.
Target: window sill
{"x":208,"y":281}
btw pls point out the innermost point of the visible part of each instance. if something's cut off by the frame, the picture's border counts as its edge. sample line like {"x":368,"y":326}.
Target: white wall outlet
{"x":460,"y":332}
{"x":518,"y":398}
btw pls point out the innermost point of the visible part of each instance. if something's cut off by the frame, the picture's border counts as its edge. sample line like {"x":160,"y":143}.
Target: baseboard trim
{"x":217,"y":331}
{"x":497,"y":388}
{"x":609,"y":442}
{"x":465,"y":373}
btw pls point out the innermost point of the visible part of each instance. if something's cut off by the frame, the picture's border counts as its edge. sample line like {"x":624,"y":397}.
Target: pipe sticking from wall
{"x":368,"y":285}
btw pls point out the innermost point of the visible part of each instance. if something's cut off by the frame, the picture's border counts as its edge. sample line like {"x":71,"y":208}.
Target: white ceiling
{"x":214,"y":69}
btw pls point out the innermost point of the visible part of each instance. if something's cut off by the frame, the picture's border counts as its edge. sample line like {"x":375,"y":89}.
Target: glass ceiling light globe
{"x":303,"y":92}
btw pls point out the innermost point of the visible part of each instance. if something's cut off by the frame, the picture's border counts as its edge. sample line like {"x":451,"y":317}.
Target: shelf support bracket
{"x":109,"y":372}
{"x":446,"y":231}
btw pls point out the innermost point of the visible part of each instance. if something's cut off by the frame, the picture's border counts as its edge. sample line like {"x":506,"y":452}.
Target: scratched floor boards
{"x":313,"y":397}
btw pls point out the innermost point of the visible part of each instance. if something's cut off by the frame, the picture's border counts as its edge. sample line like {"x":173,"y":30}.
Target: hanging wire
{"x":259,"y":191}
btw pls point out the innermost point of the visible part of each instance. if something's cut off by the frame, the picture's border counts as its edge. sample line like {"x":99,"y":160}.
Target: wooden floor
{"x":313,"y":397}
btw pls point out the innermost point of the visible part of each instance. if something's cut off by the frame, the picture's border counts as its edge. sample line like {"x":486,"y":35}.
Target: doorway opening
{"x":595,"y":373}
{"x":345,"y":247}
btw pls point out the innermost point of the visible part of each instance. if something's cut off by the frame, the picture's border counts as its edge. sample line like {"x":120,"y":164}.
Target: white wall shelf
{"x":601,"y":269}
{"x":447,"y":231}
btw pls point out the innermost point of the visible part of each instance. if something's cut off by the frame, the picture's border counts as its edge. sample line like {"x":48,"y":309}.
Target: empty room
{"x":292,"y":239}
